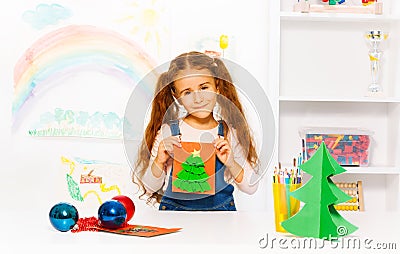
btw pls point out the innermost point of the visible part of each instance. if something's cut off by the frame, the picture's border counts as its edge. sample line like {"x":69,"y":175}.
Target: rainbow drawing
{"x":72,"y":49}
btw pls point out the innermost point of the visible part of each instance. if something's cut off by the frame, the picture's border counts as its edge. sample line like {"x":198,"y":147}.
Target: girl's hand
{"x":224,"y":152}
{"x":166,"y":149}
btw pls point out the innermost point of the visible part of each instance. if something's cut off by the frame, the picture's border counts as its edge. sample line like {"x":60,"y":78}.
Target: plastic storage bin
{"x":349,"y":147}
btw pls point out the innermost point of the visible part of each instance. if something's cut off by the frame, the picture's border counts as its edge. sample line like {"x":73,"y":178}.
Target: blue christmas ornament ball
{"x":63,"y":216}
{"x":112,"y":214}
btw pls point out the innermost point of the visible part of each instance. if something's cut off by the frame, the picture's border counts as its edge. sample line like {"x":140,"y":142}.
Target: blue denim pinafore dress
{"x":222,"y":200}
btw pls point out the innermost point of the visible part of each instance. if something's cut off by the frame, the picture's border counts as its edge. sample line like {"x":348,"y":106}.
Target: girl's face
{"x":196,"y":91}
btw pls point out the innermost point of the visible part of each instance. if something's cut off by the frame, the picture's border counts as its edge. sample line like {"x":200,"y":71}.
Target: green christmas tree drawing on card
{"x":192,"y":177}
{"x":318,"y":218}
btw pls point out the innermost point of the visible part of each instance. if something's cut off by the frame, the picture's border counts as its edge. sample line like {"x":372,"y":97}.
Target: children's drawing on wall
{"x":70,"y":123}
{"x":46,"y":15}
{"x":68,"y":51}
{"x":93,"y":181}
{"x":147,"y":22}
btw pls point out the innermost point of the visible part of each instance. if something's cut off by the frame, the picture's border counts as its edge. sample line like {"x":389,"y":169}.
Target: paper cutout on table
{"x":139,"y":230}
{"x":194,"y":168}
{"x":70,"y":123}
{"x":87,"y":184}
{"x":45,"y":15}
{"x":92,"y":224}
{"x":318,"y":218}
{"x":73,"y":49}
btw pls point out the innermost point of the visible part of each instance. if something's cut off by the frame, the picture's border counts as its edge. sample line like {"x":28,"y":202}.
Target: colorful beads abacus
{"x":354,"y":190}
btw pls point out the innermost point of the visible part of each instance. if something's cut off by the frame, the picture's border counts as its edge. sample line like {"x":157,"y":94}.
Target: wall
{"x":33,"y":174}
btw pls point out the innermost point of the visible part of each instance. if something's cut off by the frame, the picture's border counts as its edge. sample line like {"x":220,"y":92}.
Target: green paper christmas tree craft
{"x":318,"y":218}
{"x":192,"y":177}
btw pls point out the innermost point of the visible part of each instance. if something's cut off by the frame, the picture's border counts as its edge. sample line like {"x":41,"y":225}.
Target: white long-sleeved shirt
{"x":190,"y":134}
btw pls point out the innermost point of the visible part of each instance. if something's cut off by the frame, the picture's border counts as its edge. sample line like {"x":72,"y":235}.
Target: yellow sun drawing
{"x":147,"y":21}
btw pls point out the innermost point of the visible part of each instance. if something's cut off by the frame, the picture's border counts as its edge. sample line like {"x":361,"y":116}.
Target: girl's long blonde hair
{"x":164,"y":109}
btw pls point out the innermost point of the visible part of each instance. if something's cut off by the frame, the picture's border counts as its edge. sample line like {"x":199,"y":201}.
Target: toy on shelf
{"x":368,"y":2}
{"x":348,"y":146}
{"x":355,"y":191}
{"x":334,"y":2}
{"x":375,"y":38}
{"x":339,"y":6}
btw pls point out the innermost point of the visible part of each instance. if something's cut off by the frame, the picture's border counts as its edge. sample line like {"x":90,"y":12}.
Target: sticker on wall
{"x":94,"y":181}
{"x":74,"y":49}
{"x":70,"y":123}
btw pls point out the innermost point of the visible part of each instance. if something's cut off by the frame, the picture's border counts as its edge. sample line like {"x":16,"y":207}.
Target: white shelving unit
{"x":319,"y":75}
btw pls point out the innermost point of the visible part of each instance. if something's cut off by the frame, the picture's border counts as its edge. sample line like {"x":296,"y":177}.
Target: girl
{"x":198,"y":83}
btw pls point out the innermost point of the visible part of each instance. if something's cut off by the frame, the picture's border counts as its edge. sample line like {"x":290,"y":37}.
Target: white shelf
{"x":337,"y":99}
{"x":336,"y":17}
{"x":383,"y":170}
{"x":319,"y":75}
{"x":373,"y":170}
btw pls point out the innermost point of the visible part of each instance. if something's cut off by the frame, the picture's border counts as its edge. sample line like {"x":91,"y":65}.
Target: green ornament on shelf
{"x":332,"y":2}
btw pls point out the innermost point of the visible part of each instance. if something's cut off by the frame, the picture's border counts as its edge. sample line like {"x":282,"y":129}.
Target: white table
{"x":225,"y":232}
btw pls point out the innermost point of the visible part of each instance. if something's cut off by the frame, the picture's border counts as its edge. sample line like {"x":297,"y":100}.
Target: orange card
{"x":194,"y":168}
{"x":139,"y":230}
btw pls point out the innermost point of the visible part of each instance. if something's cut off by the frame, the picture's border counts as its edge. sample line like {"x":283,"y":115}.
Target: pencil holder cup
{"x":285,"y":206}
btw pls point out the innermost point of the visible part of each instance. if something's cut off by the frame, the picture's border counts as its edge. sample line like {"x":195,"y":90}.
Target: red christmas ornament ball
{"x":128,"y":204}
